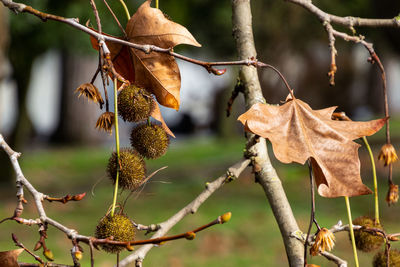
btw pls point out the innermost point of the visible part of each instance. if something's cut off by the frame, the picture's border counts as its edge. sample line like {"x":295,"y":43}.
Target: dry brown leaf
{"x":157,"y":72}
{"x":9,"y":258}
{"x":298,"y":133}
{"x":156,"y":114}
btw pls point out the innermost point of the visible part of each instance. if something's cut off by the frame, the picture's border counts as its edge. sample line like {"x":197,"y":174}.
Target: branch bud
{"x":38,"y":245}
{"x":225,"y":217}
{"x":48,"y":254}
{"x":129,"y":247}
{"x":78,"y":255}
{"x":190,"y":235}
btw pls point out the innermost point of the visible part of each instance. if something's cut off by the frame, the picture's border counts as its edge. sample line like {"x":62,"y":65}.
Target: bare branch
{"x":346,"y":21}
{"x":164,"y":227}
{"x":334,"y":258}
{"x":333,"y":68}
{"x":138,"y":255}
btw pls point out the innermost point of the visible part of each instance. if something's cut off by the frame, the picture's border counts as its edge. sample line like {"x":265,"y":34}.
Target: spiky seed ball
{"x":380,"y":258}
{"x":132,"y":168}
{"x":134,"y":104}
{"x":119,"y":226}
{"x":151,"y":141}
{"x":367,"y":241}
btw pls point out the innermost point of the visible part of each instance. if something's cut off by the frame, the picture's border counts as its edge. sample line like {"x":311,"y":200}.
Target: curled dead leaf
{"x":298,"y":133}
{"x":157,"y":72}
{"x":156,"y":114}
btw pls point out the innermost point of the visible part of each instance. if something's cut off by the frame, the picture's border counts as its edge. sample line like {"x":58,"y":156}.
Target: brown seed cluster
{"x":91,"y":92}
{"x":388,"y":154}
{"x":150,"y":140}
{"x":105,"y":122}
{"x":118,"y":227}
{"x":365,"y":240}
{"x":324,"y":241}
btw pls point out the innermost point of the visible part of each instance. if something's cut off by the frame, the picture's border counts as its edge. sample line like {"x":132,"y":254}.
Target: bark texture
{"x":267,"y":176}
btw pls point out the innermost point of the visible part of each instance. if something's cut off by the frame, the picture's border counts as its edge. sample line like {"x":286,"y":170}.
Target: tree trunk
{"x":267,"y":177}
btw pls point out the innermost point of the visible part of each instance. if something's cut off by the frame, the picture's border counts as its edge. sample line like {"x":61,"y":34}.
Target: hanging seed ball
{"x":367,"y":241}
{"x":119,"y":226}
{"x":134,"y":104}
{"x":380,"y":258}
{"x":151,"y":141}
{"x":132,"y":168}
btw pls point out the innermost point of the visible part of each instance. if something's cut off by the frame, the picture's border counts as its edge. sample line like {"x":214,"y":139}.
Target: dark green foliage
{"x":367,"y":241}
{"x":380,"y":258}
{"x":119,"y":226}
{"x":132,"y":169}
{"x":134,"y":104}
{"x":151,"y":141}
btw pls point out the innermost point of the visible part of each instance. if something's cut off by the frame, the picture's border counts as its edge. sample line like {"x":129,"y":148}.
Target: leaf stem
{"x":353,"y":241}
{"x":371,"y":156}
{"x":126,"y":9}
{"x":116,"y":144}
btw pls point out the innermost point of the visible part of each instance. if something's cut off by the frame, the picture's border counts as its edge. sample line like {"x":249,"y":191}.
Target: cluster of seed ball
{"x":148,"y":140}
{"x":367,"y":241}
{"x":380,"y":259}
{"x":119,"y":227}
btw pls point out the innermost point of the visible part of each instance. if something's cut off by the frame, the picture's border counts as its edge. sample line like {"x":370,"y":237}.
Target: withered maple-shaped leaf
{"x":9,"y":258}
{"x":157,"y":72}
{"x":298,"y":133}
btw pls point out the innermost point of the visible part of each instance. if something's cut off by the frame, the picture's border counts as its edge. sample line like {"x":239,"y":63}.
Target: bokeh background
{"x":41,"y":64}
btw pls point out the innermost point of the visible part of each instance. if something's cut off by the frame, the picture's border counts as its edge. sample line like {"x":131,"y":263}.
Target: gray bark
{"x":267,"y":176}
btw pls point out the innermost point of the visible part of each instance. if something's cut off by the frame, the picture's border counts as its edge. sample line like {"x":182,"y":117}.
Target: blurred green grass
{"x":251,"y":238}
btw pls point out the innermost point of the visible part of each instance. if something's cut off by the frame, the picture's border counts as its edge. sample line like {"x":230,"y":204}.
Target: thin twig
{"x":19,"y":244}
{"x":340,"y":262}
{"x":65,"y":199}
{"x":312,"y":214}
{"x":333,"y":67}
{"x":347,"y":21}
{"x":116,"y":19}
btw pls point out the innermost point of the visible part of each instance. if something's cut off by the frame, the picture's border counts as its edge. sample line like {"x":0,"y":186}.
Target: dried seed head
{"x":393,"y":194}
{"x":105,"y":122}
{"x":91,"y":92}
{"x":119,"y":227}
{"x":151,"y":141}
{"x":324,"y":241}
{"x":365,"y":240}
{"x":388,"y":154}
{"x":134,"y":104}
{"x":380,"y":258}
{"x":132,"y":168}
